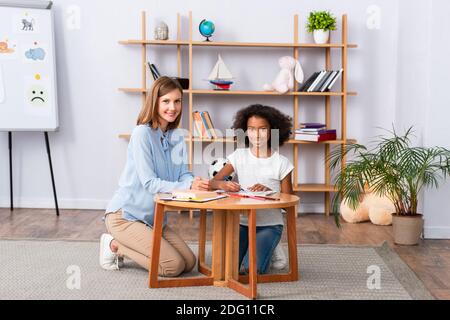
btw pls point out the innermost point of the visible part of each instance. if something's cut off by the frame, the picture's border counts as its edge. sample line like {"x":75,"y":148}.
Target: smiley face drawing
{"x":37,"y":95}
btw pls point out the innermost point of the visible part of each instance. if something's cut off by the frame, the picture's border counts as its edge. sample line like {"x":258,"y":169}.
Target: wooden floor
{"x":430,"y":260}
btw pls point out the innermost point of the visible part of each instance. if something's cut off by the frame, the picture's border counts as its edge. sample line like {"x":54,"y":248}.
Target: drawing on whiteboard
{"x":25,"y":23}
{"x":2,"y":86}
{"x":35,"y":54}
{"x":4,"y":47}
{"x":28,"y":25}
{"x":37,"y":95}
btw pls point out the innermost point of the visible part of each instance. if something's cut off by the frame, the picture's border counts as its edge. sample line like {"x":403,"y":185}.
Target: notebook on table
{"x":191,"y":196}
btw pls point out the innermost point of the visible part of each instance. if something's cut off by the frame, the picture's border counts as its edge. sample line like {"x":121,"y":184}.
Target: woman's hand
{"x":200,"y":184}
{"x":230,"y":186}
{"x":259,"y":187}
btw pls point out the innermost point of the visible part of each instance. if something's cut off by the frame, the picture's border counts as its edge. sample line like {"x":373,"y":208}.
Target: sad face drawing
{"x":37,"y":95}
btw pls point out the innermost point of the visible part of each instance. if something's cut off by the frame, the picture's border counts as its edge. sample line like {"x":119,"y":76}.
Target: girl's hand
{"x":200,"y":184}
{"x":230,"y":186}
{"x":259,"y":187}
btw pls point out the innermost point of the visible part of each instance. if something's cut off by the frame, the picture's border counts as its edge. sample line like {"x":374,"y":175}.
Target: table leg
{"x":218,"y":243}
{"x":202,"y":241}
{"x":292,"y":275}
{"x":250,"y":290}
{"x":154,"y":282}
{"x":232,"y":245}
{"x":292,"y":243}
{"x":252,"y":253}
{"x":156,"y":246}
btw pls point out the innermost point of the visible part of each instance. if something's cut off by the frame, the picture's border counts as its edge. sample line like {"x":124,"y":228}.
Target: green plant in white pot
{"x":320,"y":23}
{"x":391,"y":167}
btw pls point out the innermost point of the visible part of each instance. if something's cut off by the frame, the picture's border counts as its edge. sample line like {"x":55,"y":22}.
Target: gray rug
{"x":31,"y":269}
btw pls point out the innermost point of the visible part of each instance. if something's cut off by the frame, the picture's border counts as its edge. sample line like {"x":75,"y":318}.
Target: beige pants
{"x":135,"y":242}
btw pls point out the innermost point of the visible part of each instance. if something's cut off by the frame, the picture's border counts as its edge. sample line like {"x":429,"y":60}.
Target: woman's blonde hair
{"x":149,"y":112}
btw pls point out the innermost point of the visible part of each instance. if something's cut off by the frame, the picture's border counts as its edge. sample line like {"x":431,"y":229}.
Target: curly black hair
{"x":275,"y":118}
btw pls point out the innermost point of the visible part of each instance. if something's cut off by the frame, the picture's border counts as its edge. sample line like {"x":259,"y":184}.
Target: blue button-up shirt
{"x":156,"y":162}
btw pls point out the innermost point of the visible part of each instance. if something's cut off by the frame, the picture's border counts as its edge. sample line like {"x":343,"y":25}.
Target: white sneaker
{"x":108,"y":259}
{"x":279,"y":259}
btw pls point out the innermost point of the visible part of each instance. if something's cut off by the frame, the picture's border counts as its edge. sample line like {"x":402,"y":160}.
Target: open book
{"x":191,"y":196}
{"x":257,"y":193}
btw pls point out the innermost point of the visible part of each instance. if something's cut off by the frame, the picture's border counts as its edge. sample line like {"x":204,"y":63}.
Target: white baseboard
{"x":437,"y":232}
{"x":45,"y":203}
{"x":97,"y":204}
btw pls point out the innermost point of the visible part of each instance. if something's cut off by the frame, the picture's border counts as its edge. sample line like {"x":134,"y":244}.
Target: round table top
{"x":235,"y":203}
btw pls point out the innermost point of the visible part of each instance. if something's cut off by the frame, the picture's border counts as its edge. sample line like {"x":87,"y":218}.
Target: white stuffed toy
{"x":372,"y":207}
{"x":216,"y":166}
{"x":290,"y":70}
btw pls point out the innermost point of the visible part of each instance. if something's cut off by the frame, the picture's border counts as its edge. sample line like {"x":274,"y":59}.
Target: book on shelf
{"x":312,"y":125}
{"x":309,"y":81}
{"x":318,"y":79}
{"x":315,"y":131}
{"x":210,"y":126}
{"x":321,"y":81}
{"x":315,"y":137}
{"x":328,"y":81}
{"x":203,"y":126}
{"x":335,"y":78}
{"x":154,"y":71}
{"x":199,"y":128}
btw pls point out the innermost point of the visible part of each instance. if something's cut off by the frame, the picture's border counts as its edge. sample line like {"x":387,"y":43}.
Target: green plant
{"x":321,"y":20}
{"x":391,"y":168}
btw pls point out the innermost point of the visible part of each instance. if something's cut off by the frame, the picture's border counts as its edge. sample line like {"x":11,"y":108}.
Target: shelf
{"x":298,"y":102}
{"x":230,"y":140}
{"x":140,"y":90}
{"x":235,"y":44}
{"x":248,"y":92}
{"x":268,"y":93}
{"x":156,"y":42}
{"x":314,"y":187}
{"x":292,"y":141}
{"x":127,"y":136}
{"x":222,"y":140}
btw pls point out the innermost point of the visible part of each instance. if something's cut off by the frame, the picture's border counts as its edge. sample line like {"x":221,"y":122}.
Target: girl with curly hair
{"x":259,"y":167}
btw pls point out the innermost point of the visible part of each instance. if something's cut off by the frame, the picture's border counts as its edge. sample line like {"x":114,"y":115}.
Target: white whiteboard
{"x":28,"y":97}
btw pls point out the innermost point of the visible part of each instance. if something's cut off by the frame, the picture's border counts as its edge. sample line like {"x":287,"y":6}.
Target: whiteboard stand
{"x":28,"y":97}
{"x":47,"y":145}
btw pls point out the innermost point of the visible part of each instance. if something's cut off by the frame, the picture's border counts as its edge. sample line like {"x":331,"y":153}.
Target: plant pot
{"x":321,"y":36}
{"x":407,"y":229}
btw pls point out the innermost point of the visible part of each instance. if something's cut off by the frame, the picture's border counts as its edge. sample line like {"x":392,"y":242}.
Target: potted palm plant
{"x":320,"y":23}
{"x":390,"y":167}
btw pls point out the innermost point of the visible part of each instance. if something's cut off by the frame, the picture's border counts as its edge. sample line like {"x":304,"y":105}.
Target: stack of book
{"x":314,"y":132}
{"x":203,"y":126}
{"x":321,"y":81}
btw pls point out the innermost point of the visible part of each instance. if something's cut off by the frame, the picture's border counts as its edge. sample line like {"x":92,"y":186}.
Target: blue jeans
{"x":267,"y":238}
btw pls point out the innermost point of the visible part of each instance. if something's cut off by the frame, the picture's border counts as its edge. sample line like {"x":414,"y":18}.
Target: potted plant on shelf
{"x":320,"y":23}
{"x":390,"y":167}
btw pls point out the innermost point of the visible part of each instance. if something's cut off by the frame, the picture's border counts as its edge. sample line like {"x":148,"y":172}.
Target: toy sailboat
{"x":220,"y":76}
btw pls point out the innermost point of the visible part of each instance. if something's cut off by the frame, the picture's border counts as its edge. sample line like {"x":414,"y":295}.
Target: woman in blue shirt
{"x":156,"y":162}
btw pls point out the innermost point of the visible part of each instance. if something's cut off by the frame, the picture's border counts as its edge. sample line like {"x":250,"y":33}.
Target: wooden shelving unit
{"x":326,"y":187}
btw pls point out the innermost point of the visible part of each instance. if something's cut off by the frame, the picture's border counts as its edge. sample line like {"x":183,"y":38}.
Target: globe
{"x":206,"y":28}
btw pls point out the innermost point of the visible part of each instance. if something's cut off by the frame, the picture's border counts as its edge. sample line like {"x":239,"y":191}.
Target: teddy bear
{"x":290,"y":70}
{"x":372,"y":207}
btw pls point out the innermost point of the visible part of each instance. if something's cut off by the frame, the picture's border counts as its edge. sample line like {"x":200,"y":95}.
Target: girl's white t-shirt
{"x":266,"y":171}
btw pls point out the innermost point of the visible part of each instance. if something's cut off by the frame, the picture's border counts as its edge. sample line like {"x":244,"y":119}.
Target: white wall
{"x":87,"y":155}
{"x":437,"y":202}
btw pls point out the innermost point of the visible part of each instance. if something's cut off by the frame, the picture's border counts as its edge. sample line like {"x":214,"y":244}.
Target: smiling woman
{"x":151,"y":168}
{"x":163,"y":105}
